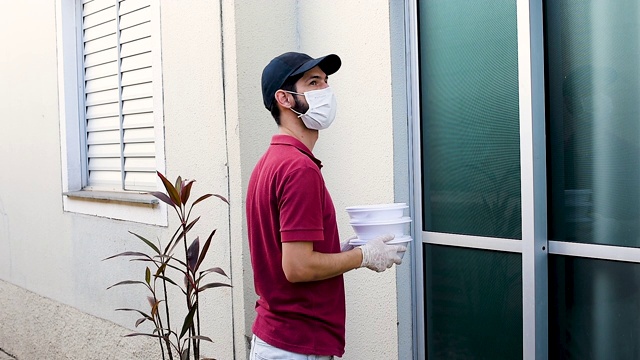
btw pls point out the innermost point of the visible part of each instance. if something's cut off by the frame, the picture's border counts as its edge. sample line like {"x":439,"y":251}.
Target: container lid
{"x":401,"y":239}
{"x":377,"y":206}
{"x":402,"y":220}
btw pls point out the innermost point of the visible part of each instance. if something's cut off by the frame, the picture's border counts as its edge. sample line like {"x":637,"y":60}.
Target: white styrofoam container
{"x":377,"y":212}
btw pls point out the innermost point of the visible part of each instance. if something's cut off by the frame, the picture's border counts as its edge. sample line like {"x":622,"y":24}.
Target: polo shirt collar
{"x":282,"y":139}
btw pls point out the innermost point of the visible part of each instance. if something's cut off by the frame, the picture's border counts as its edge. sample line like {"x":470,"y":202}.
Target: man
{"x":296,"y":254}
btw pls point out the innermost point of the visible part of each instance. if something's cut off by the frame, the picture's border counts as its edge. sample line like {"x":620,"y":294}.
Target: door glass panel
{"x":473,"y":303}
{"x":470,"y":121}
{"x":593,"y":51}
{"x":595,"y":313}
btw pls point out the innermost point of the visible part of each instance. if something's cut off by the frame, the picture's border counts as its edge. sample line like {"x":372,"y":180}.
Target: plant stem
{"x":186,"y":251}
{"x":166,"y":307}
{"x":197,"y":341}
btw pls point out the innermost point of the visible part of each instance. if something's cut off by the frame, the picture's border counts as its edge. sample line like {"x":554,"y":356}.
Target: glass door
{"x":593,"y":93}
{"x":470,"y":167}
{"x":478,"y":106}
{"x":526,"y":130}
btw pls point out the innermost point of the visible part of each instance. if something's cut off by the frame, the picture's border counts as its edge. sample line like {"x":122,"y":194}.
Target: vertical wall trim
{"x":226,"y":141}
{"x":415,"y":194}
{"x":533,"y":175}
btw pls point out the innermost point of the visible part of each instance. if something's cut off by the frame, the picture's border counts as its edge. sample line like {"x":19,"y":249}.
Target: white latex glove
{"x":345,"y":246}
{"x":378,"y":256}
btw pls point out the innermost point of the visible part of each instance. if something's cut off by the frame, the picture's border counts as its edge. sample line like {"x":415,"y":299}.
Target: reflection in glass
{"x":593,"y":51}
{"x":473,"y":303}
{"x":595,"y":313}
{"x":470,"y":120}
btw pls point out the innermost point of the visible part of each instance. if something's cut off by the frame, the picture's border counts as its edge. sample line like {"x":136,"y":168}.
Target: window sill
{"x":128,"y":206}
{"x":112,"y":196}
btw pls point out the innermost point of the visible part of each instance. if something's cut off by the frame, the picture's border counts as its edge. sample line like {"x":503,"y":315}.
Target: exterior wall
{"x":358,"y":150}
{"x":215,"y":130}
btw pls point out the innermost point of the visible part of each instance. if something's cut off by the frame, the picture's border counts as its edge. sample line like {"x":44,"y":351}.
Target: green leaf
{"x":171,"y":190}
{"x":147,"y":276}
{"x":178,"y":184}
{"x":163,"y":197}
{"x":212,"y":285}
{"x":186,"y":191}
{"x":205,"y":249}
{"x":188,"y":320}
{"x":160,"y":270}
{"x":151,"y":245}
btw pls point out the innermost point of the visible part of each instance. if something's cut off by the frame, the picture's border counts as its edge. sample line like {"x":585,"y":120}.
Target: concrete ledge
{"x":35,"y":327}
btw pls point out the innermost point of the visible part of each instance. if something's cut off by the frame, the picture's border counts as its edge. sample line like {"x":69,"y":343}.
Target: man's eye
{"x":313,"y":83}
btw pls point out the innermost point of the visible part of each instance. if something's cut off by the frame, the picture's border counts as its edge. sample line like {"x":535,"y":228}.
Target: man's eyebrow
{"x":314,"y":77}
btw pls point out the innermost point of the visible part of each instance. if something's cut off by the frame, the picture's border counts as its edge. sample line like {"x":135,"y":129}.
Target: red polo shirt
{"x":287,"y":201}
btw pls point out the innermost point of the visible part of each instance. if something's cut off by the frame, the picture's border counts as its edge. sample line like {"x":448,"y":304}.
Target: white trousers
{"x":260,"y":350}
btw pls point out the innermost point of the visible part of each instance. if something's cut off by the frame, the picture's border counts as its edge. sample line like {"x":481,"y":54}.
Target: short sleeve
{"x":301,"y":204}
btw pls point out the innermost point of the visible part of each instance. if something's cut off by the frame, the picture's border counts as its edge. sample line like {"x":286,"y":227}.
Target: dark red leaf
{"x":200,"y":337}
{"x":192,"y":254}
{"x":128,"y":253}
{"x":188,"y":320}
{"x":221,"y":198}
{"x":186,"y":191}
{"x":163,"y":197}
{"x":138,"y":311}
{"x":142,"y":334}
{"x":201,"y":198}
{"x":212,"y":285}
{"x":128,"y":282}
{"x":216,"y":270}
{"x":205,"y":249}
{"x":140,"y":321}
{"x":171,"y":190}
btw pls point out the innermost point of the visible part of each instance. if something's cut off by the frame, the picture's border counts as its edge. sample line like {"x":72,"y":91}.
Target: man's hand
{"x":378,"y":256}
{"x":345,"y":246}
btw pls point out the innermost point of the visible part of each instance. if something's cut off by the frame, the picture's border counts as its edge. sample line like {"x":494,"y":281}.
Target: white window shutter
{"x":118,"y":93}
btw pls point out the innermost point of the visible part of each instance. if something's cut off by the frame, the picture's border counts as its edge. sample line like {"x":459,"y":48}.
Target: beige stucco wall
{"x":215,"y":129}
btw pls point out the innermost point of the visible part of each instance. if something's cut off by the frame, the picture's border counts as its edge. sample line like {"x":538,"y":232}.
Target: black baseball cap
{"x":291,"y":64}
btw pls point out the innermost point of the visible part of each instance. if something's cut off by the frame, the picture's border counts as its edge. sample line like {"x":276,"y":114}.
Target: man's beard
{"x":300,"y":106}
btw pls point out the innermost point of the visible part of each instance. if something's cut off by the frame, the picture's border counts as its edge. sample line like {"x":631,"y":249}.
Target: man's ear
{"x":284,"y":99}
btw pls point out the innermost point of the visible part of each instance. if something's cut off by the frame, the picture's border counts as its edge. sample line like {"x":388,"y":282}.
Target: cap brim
{"x":329,"y":64}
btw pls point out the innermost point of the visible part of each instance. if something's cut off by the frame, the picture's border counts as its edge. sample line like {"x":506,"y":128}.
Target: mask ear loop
{"x":291,"y":108}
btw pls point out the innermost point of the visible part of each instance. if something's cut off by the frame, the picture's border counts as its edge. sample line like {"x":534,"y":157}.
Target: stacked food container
{"x":371,"y":221}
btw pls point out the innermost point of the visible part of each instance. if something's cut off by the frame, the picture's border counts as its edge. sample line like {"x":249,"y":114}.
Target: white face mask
{"x":322,"y":108}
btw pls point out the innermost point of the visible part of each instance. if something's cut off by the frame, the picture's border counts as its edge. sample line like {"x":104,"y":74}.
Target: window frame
{"x":133,"y":206}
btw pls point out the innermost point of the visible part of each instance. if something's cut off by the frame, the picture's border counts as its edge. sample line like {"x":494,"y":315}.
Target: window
{"x":110,"y":106}
{"x":118,"y":95}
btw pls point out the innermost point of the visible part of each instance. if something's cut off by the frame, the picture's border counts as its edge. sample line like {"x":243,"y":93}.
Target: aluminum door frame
{"x":534,"y":246}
